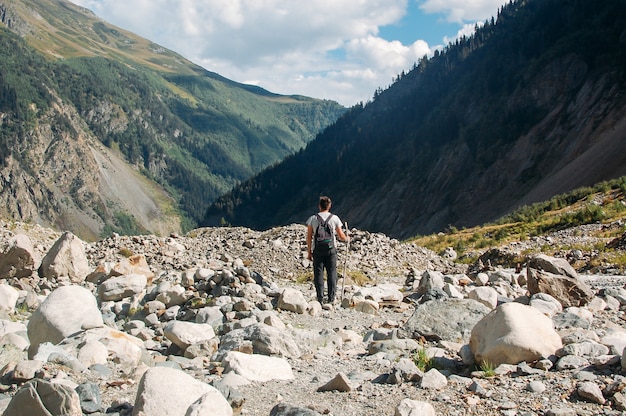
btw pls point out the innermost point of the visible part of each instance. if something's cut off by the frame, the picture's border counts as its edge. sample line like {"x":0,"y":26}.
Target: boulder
{"x":430,"y":280}
{"x":66,"y":310}
{"x":18,"y":258}
{"x":292,"y":300}
{"x":8,"y":298}
{"x":184,"y":334}
{"x":449,"y":320}
{"x":211,"y":403}
{"x":513,"y":333}
{"x":260,"y":339}
{"x":120,"y":287}
{"x":66,"y":258}
{"x":165,"y":391}
{"x":552,"y":265}
{"x":569,"y":291}
{"x":546,"y":304}
{"x":557,"y":278}
{"x":486,"y":295}
{"x":42,"y":398}
{"x":135,"y":264}
{"x":382,"y":293}
{"x":256,"y":367}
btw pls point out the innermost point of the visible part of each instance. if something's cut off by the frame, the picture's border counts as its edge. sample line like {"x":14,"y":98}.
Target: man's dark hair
{"x":324,"y":202}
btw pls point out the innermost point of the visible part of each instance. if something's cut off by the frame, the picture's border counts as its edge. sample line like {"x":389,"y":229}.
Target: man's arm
{"x":341,"y":234}
{"x":309,"y":240}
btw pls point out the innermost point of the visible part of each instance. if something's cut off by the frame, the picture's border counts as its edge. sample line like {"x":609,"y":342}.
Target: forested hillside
{"x":531,"y":105}
{"x":190,"y":131}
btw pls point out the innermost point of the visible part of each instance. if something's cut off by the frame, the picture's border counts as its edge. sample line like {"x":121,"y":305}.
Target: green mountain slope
{"x":191,"y":131}
{"x":532,"y":105}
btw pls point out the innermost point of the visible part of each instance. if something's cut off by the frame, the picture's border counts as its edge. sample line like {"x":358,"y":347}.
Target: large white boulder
{"x":184,"y":334}
{"x":513,"y":333}
{"x":486,"y":295}
{"x":120,"y":287}
{"x":165,"y":391}
{"x":67,"y":310}
{"x":256,"y":367}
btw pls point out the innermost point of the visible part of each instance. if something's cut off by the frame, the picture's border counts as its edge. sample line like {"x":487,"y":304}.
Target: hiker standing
{"x":321,"y":243}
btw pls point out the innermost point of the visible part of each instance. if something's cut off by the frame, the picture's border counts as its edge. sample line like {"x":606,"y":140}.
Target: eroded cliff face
{"x":62,"y":177}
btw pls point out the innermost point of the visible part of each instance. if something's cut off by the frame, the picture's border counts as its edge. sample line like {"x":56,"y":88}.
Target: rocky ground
{"x":278,"y":258}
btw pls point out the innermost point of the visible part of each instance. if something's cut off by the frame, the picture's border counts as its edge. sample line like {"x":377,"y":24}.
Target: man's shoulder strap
{"x":321,"y":220}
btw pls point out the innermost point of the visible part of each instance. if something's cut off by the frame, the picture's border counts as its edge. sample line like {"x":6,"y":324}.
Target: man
{"x":324,"y":258}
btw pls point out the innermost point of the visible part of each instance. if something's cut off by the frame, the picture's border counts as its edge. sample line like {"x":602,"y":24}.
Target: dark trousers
{"x":328,"y":262}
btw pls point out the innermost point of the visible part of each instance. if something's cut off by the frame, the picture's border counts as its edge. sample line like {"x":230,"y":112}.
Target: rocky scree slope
{"x":197,"y":302}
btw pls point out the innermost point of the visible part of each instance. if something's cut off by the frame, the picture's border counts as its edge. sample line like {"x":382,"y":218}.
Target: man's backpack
{"x":324,"y":240}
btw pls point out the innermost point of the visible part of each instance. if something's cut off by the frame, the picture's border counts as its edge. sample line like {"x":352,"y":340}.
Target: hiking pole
{"x":345,"y":264}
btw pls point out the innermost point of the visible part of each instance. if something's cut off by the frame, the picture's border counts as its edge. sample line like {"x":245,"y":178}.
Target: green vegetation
{"x":422,"y":360}
{"x":487,"y":369}
{"x":602,"y":203}
{"x":123,"y":224}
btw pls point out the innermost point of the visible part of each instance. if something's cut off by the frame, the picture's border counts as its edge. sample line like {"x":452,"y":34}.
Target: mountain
{"x":531,"y":105}
{"x":102,"y":130}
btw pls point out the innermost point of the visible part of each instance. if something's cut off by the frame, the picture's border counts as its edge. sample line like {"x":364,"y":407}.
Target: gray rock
{"x":261,"y":339}
{"x":590,"y":391}
{"x":18,"y":257}
{"x":285,"y":409}
{"x":569,"y":291}
{"x":433,"y":380}
{"x":120,"y":287}
{"x":90,"y":398}
{"x":450,"y":320}
{"x":42,"y":398}
{"x":571,"y":362}
{"x":552,"y":265}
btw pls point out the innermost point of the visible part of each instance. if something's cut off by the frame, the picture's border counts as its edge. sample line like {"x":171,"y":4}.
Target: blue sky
{"x":341,"y":50}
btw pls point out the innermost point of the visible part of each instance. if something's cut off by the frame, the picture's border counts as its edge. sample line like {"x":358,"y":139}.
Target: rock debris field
{"x":224,"y":321}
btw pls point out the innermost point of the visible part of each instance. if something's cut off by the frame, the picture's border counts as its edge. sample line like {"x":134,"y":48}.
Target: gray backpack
{"x":324,"y":241}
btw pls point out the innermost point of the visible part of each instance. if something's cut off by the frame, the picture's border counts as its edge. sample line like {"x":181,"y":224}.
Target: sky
{"x":340,"y":50}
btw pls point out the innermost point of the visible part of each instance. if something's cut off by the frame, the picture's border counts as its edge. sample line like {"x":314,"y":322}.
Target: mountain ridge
{"x":187,"y":133}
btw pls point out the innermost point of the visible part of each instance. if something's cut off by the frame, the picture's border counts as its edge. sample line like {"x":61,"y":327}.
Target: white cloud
{"x":320,"y":48}
{"x":467,"y":30}
{"x":462,"y":11}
